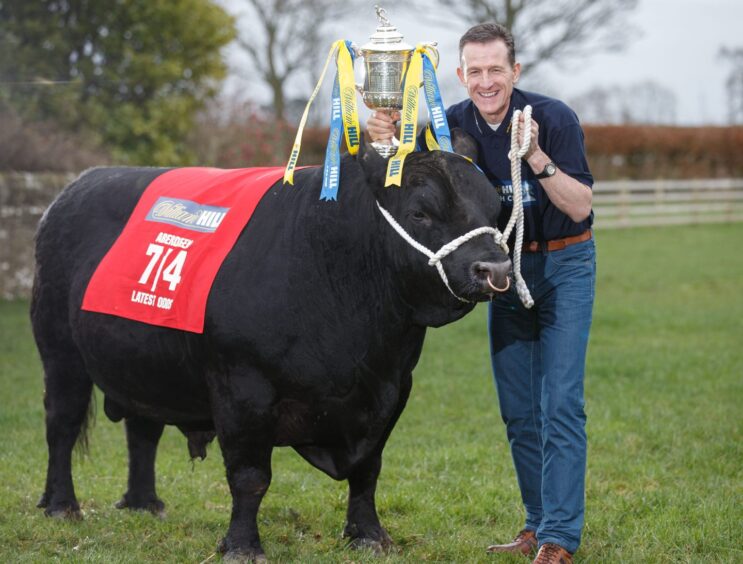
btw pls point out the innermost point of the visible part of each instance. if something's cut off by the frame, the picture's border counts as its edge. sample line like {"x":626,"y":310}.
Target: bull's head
{"x":443,"y":197}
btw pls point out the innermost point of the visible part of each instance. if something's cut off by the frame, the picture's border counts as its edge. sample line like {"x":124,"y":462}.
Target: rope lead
{"x":517,"y":213}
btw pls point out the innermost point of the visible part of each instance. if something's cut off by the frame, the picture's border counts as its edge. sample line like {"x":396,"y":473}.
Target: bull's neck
{"x":350,"y":241}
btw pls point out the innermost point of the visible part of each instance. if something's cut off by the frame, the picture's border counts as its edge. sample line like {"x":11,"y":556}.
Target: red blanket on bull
{"x":161,"y":268}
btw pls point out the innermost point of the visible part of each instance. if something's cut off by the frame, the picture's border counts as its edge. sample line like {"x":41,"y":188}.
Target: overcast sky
{"x":678,"y":48}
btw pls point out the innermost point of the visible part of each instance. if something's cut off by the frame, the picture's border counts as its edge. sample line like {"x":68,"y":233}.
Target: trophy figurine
{"x":386,"y":58}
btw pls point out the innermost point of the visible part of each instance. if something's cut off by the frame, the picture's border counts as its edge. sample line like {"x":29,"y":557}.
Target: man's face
{"x":489,"y":77}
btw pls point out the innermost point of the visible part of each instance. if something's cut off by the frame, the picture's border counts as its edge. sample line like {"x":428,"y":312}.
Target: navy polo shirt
{"x":560,"y":137}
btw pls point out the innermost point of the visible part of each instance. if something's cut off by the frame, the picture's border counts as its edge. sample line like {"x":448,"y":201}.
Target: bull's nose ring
{"x":500,"y":290}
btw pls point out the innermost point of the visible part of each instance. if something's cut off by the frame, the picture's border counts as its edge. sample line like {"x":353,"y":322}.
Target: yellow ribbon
{"x":348,"y":99}
{"x":348,"y":106}
{"x":431,"y":142}
{"x":409,"y":125}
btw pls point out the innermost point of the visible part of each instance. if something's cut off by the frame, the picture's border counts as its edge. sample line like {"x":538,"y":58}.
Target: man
{"x":538,"y":354}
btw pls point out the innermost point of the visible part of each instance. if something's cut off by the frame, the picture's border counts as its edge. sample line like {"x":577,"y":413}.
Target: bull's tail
{"x":82,"y":444}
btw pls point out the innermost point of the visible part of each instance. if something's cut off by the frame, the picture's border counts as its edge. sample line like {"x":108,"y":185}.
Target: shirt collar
{"x":505,"y":126}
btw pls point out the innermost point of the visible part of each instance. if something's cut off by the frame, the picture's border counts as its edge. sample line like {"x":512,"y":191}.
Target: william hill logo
{"x":187,"y":214}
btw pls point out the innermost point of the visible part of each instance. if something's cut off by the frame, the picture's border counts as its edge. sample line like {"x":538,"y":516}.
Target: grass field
{"x":664,"y":392}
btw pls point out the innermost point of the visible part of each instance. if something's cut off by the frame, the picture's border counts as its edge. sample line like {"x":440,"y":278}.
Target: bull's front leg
{"x":248,"y":475}
{"x":245,"y":428}
{"x":362,"y":522}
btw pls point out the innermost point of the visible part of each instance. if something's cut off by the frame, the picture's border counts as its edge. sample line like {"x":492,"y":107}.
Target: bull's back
{"x":83,"y":222}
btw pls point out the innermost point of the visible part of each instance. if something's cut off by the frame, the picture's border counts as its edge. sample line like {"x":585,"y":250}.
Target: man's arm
{"x":570,"y":196}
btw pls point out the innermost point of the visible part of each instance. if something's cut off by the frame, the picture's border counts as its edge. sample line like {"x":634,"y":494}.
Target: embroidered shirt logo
{"x":528,"y":196}
{"x":187,"y":214}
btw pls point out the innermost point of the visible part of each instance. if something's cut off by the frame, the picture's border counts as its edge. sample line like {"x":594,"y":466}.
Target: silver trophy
{"x":386,"y":58}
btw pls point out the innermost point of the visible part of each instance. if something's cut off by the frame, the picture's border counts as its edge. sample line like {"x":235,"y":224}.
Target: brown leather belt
{"x":556,"y":244}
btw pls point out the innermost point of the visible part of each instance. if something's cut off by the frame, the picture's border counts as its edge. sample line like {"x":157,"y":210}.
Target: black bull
{"x":313,"y":327}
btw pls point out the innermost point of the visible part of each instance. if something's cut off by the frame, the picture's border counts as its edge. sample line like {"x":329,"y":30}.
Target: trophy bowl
{"x":386,"y":59}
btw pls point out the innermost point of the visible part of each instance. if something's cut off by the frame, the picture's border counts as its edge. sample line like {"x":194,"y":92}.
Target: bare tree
{"x":284,"y":40}
{"x":645,"y":102}
{"x":546,"y":31}
{"x":734,"y":83}
{"x":595,"y":105}
{"x":649,"y":102}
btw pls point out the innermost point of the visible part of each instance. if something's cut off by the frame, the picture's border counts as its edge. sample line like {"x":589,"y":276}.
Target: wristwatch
{"x":549,"y":170}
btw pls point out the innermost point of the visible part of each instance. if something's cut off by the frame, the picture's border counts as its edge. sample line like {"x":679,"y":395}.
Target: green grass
{"x":664,"y":391}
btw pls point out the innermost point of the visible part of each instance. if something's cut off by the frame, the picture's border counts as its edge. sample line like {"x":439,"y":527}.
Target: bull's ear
{"x":373,"y":165}
{"x":464,"y":144}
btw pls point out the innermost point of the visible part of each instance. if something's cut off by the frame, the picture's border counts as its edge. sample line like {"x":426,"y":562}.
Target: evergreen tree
{"x":131,"y":72}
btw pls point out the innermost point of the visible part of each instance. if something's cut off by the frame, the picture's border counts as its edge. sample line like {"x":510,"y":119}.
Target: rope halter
{"x":434,"y":259}
{"x":517,"y":219}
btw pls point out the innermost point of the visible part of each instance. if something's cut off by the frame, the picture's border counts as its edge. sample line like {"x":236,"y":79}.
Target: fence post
{"x":623,"y":217}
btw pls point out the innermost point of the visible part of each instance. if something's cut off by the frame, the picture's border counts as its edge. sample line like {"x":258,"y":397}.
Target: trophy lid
{"x":386,"y":38}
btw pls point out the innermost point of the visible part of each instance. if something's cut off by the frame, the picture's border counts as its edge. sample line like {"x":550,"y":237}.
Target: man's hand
{"x":534,"y":145}
{"x":569,"y":195}
{"x":381,"y":125}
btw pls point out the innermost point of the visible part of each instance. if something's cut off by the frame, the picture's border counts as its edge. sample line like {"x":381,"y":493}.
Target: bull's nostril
{"x":494,"y":270}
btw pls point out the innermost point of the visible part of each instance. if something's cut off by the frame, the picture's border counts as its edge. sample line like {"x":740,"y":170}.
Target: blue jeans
{"x":538,"y":358}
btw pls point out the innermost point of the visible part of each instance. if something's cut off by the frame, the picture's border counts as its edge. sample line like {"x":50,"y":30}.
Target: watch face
{"x":549,"y":170}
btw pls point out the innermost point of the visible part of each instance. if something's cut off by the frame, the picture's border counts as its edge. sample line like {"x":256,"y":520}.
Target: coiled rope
{"x":517,"y":214}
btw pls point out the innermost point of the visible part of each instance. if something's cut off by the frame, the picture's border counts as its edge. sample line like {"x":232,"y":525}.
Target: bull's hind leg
{"x":142,"y":437}
{"x":362,"y":522}
{"x":66,"y":400}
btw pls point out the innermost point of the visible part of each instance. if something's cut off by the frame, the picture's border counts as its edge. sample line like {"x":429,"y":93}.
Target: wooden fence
{"x":633,"y":203}
{"x":24,"y":196}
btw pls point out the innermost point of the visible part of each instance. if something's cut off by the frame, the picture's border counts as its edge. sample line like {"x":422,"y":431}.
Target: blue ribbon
{"x":435,"y":105}
{"x":331,"y":176}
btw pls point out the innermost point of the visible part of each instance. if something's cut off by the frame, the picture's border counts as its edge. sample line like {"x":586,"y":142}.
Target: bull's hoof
{"x":240,"y":555}
{"x":244,"y":557}
{"x":374,"y":545}
{"x":64,"y":509}
{"x":154,"y":506}
{"x":67,"y":513}
{"x":43,"y":500}
{"x":378,"y":541}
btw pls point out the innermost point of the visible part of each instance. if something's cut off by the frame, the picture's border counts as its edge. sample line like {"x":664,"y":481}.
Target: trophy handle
{"x":434,"y":51}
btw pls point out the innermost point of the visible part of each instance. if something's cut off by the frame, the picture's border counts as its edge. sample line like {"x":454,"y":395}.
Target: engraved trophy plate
{"x":382,"y":87}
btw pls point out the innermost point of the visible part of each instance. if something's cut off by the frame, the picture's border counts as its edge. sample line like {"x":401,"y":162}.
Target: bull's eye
{"x":419,"y":217}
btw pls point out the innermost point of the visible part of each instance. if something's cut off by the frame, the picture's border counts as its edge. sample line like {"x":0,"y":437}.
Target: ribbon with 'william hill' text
{"x":344,"y":120}
{"x":420,"y":66}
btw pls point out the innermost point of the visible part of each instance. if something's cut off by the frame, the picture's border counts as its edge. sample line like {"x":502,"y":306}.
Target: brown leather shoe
{"x":524,"y":543}
{"x":550,"y":553}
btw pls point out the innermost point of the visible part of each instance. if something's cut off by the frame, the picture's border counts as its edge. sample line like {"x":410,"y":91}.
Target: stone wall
{"x":23,"y":199}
